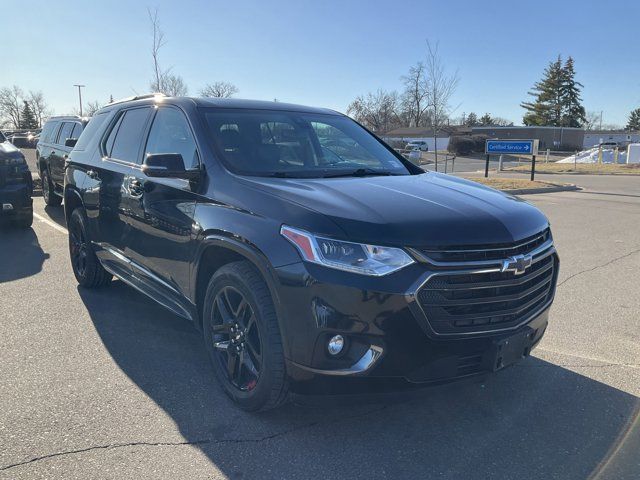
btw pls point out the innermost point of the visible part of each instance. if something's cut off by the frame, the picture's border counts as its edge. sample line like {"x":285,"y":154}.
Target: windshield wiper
{"x":360,"y":172}
{"x":280,"y":175}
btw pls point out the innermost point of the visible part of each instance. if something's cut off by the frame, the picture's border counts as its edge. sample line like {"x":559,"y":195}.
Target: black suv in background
{"x":16,"y":186}
{"x":58,"y":137}
{"x":312,"y":256}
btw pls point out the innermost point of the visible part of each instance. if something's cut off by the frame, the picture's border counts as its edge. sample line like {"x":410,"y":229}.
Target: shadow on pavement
{"x":56,"y":214}
{"x":535,"y":420}
{"x":20,"y":253}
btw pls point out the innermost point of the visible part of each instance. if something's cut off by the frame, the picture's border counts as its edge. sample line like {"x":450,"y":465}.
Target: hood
{"x":8,"y":150}
{"x":427,"y":210}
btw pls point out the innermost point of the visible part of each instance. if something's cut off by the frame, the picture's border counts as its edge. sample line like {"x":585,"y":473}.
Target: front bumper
{"x":390,"y":344}
{"x":15,"y":198}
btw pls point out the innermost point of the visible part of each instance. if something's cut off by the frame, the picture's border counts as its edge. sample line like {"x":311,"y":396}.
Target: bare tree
{"x":377,"y":111}
{"x":158,"y":43}
{"x":219,"y":90}
{"x":173,"y":85}
{"x":415,"y":95}
{"x":502,"y":122}
{"x":440,"y":86}
{"x":91,"y":108}
{"x":38,"y":106}
{"x":11,"y":104}
{"x":163,"y":81}
{"x":592,"y":119}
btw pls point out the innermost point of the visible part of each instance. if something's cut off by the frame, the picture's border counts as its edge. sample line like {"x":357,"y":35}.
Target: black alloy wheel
{"x":237,"y":339}
{"x":242,"y":337}
{"x":78,"y":249}
{"x":50,"y":198}
{"x":86,"y":267}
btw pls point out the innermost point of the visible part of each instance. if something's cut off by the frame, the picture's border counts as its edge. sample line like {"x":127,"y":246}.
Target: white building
{"x":593,"y":138}
{"x":409,"y":134}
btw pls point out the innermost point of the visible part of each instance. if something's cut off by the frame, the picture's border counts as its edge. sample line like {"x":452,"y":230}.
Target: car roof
{"x":67,"y":117}
{"x":231,"y":103}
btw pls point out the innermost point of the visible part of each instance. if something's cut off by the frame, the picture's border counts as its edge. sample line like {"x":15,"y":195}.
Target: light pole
{"x":80,"y":96}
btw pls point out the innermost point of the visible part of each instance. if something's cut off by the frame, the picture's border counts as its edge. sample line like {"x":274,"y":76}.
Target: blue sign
{"x":513,"y":147}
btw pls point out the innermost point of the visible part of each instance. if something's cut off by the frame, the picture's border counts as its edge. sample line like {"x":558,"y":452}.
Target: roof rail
{"x":64,"y":117}
{"x":137,"y":97}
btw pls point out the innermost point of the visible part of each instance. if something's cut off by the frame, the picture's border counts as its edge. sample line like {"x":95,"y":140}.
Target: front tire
{"x":86,"y":267}
{"x":50,"y":198}
{"x":243,"y":339}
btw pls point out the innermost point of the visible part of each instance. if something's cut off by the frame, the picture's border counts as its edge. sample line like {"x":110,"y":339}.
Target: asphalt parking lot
{"x":106,"y":384}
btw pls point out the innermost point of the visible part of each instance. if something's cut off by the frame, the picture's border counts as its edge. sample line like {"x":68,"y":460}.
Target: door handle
{"x":92,"y":174}
{"x":136,"y":189}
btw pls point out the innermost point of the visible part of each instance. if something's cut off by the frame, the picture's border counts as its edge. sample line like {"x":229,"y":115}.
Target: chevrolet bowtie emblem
{"x":517,"y":264}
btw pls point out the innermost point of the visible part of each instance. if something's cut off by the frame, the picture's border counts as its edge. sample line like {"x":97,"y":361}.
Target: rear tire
{"x":50,"y":198}
{"x":262,"y":382}
{"x":87,"y":269}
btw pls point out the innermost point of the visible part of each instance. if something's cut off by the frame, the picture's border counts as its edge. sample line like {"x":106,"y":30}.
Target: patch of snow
{"x":591,"y":156}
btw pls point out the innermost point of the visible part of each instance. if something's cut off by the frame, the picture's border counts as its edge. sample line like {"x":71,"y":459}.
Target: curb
{"x":612,"y":174}
{"x":530,"y":191}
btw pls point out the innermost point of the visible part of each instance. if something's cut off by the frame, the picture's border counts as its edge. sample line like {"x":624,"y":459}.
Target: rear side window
{"x":108,"y":144}
{"x":170,"y":133}
{"x":49,"y":132}
{"x":65,"y":132}
{"x":77,"y":131}
{"x":126,"y":145}
{"x":90,"y":130}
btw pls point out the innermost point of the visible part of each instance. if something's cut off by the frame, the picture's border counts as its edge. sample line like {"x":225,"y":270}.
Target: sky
{"x":324,"y":53}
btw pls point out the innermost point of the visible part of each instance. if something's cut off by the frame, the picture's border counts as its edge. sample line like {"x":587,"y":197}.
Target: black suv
{"x":58,"y":137}
{"x":16,"y":186}
{"x":313,"y":257}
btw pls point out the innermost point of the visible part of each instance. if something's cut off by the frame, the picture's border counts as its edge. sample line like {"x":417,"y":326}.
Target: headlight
{"x":352,"y":257}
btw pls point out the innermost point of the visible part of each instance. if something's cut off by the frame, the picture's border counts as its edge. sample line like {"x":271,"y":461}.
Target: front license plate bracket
{"x":509,"y":350}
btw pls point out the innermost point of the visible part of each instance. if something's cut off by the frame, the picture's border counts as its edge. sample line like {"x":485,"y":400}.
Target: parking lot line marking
{"x":51,"y":224}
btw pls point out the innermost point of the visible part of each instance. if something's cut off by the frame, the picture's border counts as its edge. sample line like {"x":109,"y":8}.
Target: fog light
{"x":335,"y":345}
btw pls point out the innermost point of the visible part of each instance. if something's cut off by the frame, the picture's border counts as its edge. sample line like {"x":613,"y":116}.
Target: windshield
{"x":292,"y":144}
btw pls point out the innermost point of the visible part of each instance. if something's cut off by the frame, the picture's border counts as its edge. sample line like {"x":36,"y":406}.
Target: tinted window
{"x":49,"y":132}
{"x":77,"y":131}
{"x":2,"y":137}
{"x":65,"y":132}
{"x":128,"y":138}
{"x":170,"y":133}
{"x":277,"y":143}
{"x":112,"y":136}
{"x":90,"y":130}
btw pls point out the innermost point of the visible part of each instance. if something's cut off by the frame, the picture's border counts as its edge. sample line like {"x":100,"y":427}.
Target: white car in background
{"x":417,"y":145}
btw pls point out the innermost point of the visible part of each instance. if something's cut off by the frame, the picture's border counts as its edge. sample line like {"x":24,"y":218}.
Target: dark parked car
{"x":16,"y":186}
{"x":308,"y":268}
{"x":24,"y":139}
{"x":58,"y":137}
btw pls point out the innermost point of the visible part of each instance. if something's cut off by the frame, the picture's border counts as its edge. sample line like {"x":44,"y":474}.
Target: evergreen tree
{"x":546,"y":108}
{"x":28,"y":119}
{"x":486,"y":120}
{"x":471,"y":120}
{"x":634,"y":120}
{"x":574,"y":114}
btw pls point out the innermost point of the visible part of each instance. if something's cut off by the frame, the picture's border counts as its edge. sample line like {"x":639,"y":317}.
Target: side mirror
{"x":70,"y":142}
{"x":167,"y":165}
